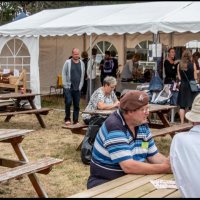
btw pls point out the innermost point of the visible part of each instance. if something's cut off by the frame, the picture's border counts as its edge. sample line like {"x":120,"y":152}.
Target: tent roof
{"x":109,"y":19}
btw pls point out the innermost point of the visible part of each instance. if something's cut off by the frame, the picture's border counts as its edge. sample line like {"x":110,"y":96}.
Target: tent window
{"x":15,"y":55}
{"x":101,"y":47}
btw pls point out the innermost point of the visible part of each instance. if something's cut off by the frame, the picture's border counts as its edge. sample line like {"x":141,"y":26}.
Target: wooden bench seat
{"x":77,"y":128}
{"x":42,"y":111}
{"x":171,"y":130}
{"x":43,"y":166}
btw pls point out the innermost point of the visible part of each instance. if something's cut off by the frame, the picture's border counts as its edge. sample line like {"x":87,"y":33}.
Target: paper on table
{"x":162,"y":184}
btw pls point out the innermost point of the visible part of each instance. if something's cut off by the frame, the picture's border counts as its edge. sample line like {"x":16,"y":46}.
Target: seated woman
{"x":103,"y":98}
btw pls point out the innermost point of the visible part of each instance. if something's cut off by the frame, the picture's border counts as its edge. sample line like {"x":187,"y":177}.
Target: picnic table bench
{"x":42,"y":166}
{"x":171,"y":130}
{"x":22,"y":166}
{"x":76,"y":128}
{"x":18,"y":109}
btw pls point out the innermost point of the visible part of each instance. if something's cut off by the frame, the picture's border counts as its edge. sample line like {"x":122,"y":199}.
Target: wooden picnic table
{"x":131,"y":186}
{"x":18,"y":168}
{"x":160,"y":110}
{"x":20,"y":100}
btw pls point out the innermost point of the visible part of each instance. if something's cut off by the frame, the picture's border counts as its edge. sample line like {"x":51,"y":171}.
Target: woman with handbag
{"x":186,"y":71}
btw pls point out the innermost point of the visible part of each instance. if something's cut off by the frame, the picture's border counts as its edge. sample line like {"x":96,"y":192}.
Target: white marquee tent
{"x":49,"y":36}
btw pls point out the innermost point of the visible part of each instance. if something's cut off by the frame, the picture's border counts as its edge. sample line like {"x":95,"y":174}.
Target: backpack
{"x":88,"y":141}
{"x":108,"y":66}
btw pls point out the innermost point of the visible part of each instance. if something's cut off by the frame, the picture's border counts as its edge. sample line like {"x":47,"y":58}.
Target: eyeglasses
{"x":112,"y":86}
{"x":144,"y":110}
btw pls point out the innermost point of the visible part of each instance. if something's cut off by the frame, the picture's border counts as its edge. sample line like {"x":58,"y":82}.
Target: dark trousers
{"x":72,"y":96}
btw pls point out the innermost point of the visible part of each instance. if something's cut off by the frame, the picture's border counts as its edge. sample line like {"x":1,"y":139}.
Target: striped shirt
{"x":114,"y":143}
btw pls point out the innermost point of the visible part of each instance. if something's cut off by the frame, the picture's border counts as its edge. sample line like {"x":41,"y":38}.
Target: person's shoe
{"x":76,"y":123}
{"x":67,"y":123}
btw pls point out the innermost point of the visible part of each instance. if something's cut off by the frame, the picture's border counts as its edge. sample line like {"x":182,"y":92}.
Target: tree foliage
{"x":10,"y":9}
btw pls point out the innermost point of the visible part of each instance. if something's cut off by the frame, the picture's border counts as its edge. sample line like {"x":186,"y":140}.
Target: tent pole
{"x":155,"y":35}
{"x":90,"y":66}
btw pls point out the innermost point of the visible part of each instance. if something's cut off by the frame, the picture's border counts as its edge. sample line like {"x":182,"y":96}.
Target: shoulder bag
{"x":192,"y":83}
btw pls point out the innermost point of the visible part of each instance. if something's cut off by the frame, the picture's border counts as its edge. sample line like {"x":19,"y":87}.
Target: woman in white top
{"x":91,"y":74}
{"x":103,"y":98}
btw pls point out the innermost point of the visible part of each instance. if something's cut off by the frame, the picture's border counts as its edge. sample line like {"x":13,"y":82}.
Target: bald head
{"x":75,"y":55}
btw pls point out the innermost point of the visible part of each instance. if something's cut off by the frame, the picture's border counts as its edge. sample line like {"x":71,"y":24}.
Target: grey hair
{"x":109,"y":80}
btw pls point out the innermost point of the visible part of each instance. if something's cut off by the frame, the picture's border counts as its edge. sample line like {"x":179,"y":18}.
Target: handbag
{"x":156,"y":83}
{"x":192,"y":83}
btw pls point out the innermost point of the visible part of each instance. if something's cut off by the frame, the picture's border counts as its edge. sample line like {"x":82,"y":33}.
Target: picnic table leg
{"x":8,"y":118}
{"x":164,"y":119}
{"x":32,"y":177}
{"x":79,"y":146}
{"x":37,"y":115}
{"x":172,"y":115}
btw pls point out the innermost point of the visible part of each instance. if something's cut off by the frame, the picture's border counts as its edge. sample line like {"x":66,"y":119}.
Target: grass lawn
{"x":65,"y":179}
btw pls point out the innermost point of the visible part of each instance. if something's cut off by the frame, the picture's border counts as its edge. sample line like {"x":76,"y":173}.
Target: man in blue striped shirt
{"x":124,"y":144}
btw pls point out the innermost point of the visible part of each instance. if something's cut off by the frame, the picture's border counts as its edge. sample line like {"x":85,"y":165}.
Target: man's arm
{"x":157,"y":158}
{"x":136,"y":167}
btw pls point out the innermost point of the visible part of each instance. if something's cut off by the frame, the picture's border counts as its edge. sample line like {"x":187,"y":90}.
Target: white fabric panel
{"x":33,"y":47}
{"x":3,"y":41}
{"x":108,"y":19}
{"x":183,"y":19}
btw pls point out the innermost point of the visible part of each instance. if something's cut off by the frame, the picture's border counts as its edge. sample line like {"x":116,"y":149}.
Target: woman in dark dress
{"x":185,"y":95}
{"x":170,"y":67}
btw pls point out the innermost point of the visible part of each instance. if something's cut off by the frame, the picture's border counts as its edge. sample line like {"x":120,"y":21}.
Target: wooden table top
{"x":152,"y":108}
{"x":16,"y":95}
{"x":6,"y":134}
{"x":131,"y":186}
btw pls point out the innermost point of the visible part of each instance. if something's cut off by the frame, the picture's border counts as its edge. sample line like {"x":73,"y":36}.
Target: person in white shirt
{"x":91,"y":75}
{"x":103,"y":98}
{"x":185,"y":155}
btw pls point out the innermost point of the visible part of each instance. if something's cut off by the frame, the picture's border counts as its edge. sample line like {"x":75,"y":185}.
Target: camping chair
{"x":58,"y":86}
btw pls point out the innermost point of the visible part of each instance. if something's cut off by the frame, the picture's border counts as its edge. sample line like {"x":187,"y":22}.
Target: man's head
{"x":107,"y":55}
{"x":194,"y":114}
{"x":75,"y":54}
{"x":84,"y":54}
{"x":134,"y":104}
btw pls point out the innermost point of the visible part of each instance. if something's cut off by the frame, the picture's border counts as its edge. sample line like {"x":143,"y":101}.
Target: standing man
{"x":73,"y":77}
{"x":106,"y":66}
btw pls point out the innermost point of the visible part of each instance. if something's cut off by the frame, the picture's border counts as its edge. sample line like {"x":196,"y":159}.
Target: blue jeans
{"x":72,"y":96}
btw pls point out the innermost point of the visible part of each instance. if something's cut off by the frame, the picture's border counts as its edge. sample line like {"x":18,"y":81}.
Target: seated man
{"x":124,"y":143}
{"x":103,"y":98}
{"x":185,"y":157}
